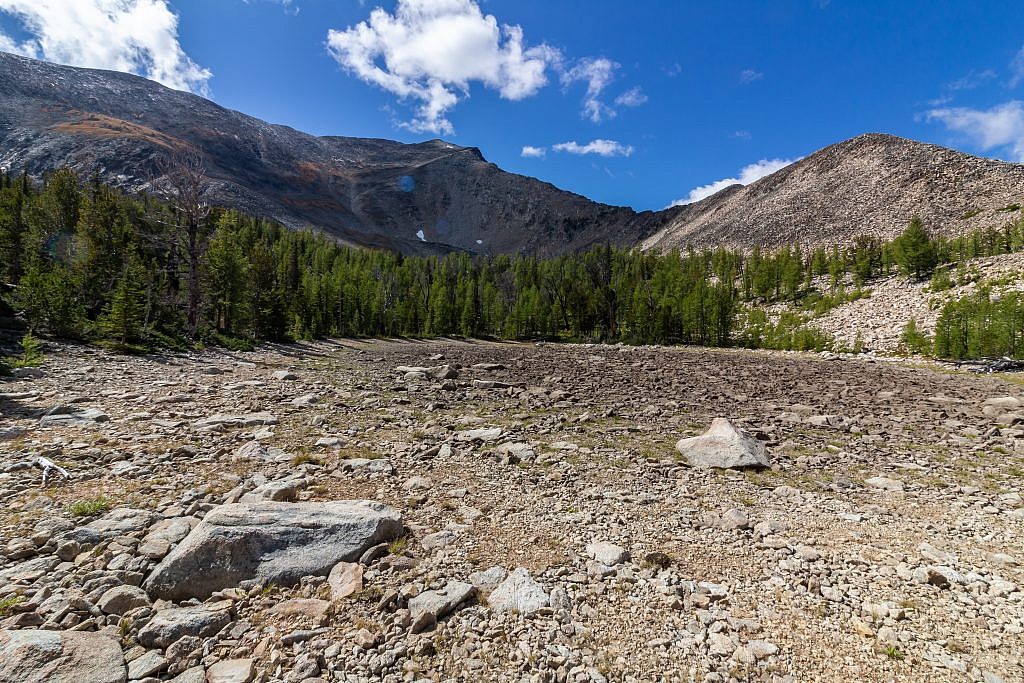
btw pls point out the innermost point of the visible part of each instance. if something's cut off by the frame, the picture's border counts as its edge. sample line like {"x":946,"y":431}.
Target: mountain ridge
{"x":374,"y":192}
{"x":367,"y":192}
{"x":871,"y":184}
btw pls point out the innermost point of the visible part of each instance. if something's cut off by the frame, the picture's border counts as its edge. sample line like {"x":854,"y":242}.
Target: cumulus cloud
{"x":633,"y":97}
{"x":747,"y":175}
{"x":597,"y":73}
{"x":748,"y":76}
{"x":136,"y":36}
{"x":533,"y":152}
{"x":604,"y":148}
{"x":431,"y":51}
{"x":1001,"y":127}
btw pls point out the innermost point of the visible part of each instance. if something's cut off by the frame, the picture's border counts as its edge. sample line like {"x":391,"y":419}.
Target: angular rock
{"x":607,"y":553}
{"x":440,"y":602}
{"x":884,"y":483}
{"x":146,"y":665}
{"x":201,"y":621}
{"x":120,"y":521}
{"x":30,"y":656}
{"x":482,"y":434}
{"x":518,"y":593}
{"x":121,"y":599}
{"x":345,"y":579}
{"x":488,"y":579}
{"x":194,"y":675}
{"x":286,"y":490}
{"x":270,"y":542}
{"x":231,"y":671}
{"x":723,"y":446}
{"x":69,"y":416}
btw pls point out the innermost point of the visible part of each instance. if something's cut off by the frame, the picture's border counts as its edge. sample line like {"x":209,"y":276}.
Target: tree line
{"x":84,"y":261}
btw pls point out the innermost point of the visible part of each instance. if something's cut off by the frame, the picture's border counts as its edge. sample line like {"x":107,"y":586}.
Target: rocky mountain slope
{"x":365,"y":192}
{"x":870,"y":185}
{"x":436,"y":196}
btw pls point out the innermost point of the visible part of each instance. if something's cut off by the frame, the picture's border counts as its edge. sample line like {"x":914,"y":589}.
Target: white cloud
{"x":604,"y":148}
{"x":1002,"y":126}
{"x":597,"y":73}
{"x":748,"y":76}
{"x":1017,"y":69}
{"x":633,"y":97}
{"x":432,"y":50}
{"x":289,"y":6}
{"x":136,"y":36}
{"x":747,"y":175}
{"x":533,"y":152}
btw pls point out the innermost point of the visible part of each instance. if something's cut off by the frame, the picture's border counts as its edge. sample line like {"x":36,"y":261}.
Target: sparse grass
{"x":398,"y":546}
{"x":894,"y":653}
{"x":305,"y":459}
{"x":90,"y":507}
{"x":124,"y":631}
{"x":8,"y":604}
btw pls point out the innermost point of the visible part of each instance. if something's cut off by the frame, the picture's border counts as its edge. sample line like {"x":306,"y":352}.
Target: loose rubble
{"x":446,"y":511}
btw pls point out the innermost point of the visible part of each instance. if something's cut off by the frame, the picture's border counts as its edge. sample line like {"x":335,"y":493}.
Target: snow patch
{"x":419,"y":233}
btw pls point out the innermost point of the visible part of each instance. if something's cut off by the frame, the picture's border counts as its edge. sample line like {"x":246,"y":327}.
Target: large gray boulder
{"x":723,"y":446}
{"x":270,"y":542}
{"x":30,"y":656}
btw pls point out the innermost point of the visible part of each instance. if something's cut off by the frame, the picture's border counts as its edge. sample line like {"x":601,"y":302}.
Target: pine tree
{"x":914,"y":250}
{"x":122,"y":321}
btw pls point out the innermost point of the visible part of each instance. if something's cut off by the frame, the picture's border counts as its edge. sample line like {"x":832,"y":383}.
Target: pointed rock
{"x":723,"y":446}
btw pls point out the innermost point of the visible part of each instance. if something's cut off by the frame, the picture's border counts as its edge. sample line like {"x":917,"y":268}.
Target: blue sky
{"x":633,"y":103}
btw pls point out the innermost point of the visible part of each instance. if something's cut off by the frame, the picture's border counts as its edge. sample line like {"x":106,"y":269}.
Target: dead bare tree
{"x":185,"y":188}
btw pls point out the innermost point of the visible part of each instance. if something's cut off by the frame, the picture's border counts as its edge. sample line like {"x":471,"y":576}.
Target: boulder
{"x":148,"y":664}
{"x":723,"y":446}
{"x":607,"y":553}
{"x":279,"y":490}
{"x":121,"y":599}
{"x":30,"y":656}
{"x":121,"y":521}
{"x":440,"y":602}
{"x":67,"y":415}
{"x":250,"y":420}
{"x":270,"y":542}
{"x":518,"y":593}
{"x":201,"y":621}
{"x":231,"y":671}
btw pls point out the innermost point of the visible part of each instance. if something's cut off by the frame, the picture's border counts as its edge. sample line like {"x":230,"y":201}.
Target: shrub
{"x":914,"y":341}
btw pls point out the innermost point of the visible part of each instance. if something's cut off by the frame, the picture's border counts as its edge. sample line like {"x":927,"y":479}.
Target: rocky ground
{"x":449,"y":511}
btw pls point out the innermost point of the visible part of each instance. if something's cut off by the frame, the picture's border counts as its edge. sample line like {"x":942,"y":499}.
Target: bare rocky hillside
{"x":870,"y":185}
{"x":441,"y":511}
